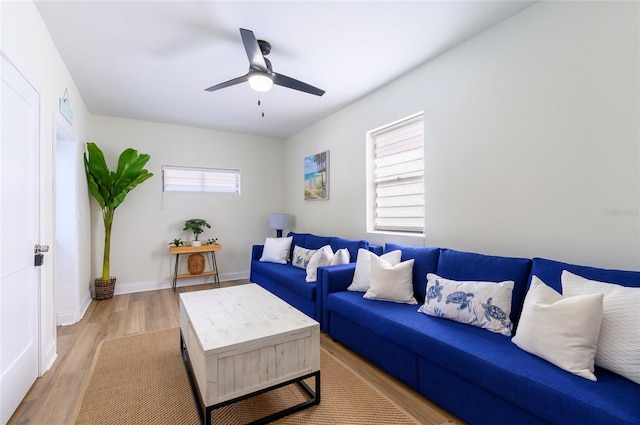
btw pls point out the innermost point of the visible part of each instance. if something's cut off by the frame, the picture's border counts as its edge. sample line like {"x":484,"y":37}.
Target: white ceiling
{"x":152,"y":60}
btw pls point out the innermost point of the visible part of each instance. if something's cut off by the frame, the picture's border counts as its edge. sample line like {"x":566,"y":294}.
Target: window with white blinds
{"x":398,"y":176}
{"x":210,"y":180}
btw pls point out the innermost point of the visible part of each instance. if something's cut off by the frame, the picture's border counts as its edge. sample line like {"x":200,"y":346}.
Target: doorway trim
{"x":70,"y":302}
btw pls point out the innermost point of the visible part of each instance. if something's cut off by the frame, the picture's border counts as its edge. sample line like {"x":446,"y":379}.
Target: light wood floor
{"x":53,"y":397}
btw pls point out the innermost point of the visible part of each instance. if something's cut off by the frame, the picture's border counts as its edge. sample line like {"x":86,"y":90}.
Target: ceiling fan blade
{"x":229,"y":83}
{"x":256,"y":59}
{"x":292,"y":83}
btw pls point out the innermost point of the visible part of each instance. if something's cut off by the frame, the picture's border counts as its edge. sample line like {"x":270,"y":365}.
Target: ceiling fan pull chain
{"x":260,"y":104}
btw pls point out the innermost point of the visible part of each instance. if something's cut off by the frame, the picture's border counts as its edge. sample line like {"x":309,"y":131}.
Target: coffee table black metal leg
{"x":204,"y":412}
{"x":315,"y":399}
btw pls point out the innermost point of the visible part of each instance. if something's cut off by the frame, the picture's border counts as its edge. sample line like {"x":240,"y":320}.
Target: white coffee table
{"x":241,"y":341}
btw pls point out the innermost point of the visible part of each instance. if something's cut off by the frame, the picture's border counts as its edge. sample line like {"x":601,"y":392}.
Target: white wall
{"x":66,"y":233}
{"x":531,"y":134}
{"x":27,"y":44}
{"x":143,"y":228}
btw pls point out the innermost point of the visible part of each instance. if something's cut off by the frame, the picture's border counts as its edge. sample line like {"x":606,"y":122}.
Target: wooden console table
{"x":207,"y":249}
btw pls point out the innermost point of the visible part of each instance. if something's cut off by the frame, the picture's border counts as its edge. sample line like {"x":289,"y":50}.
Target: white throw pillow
{"x":562,"y":330}
{"x":341,"y":256}
{"x":362,"y":274}
{"x":276,"y":250}
{"x":619,"y":341}
{"x":322,"y":257}
{"x":302,"y":256}
{"x":485,"y":305}
{"x":391,"y":283}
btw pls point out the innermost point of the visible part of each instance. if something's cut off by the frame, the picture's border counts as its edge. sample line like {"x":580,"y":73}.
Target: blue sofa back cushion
{"x":550,"y":272}
{"x":309,"y":241}
{"x":426,"y":261}
{"x":459,"y":265}
{"x":352,"y":245}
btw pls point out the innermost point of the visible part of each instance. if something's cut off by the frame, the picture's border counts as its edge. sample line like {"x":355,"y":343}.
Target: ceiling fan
{"x":261,"y":76}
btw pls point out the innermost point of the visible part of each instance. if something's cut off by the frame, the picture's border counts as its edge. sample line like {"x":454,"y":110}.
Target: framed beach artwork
{"x":316,"y":176}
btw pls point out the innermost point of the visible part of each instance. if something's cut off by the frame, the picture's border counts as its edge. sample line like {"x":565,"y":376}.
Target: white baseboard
{"x":50,"y":357}
{"x":234,"y":276}
{"x":84,"y":307}
{"x":70,"y":317}
{"x":131,"y":288}
{"x":66,"y":318}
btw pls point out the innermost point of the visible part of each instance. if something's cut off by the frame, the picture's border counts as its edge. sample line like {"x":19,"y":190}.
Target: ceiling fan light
{"x":260,"y":82}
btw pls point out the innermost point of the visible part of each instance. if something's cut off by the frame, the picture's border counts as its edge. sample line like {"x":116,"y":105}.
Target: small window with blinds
{"x":397,"y":176}
{"x":206,"y":180}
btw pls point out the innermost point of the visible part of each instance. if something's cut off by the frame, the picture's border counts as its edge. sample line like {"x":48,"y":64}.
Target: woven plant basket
{"x":105,"y":288}
{"x":195,"y":264}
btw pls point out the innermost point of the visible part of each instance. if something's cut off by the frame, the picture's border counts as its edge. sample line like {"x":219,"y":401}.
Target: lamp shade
{"x":278,"y":221}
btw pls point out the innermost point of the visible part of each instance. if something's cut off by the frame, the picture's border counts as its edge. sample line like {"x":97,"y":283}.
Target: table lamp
{"x":278,"y":222}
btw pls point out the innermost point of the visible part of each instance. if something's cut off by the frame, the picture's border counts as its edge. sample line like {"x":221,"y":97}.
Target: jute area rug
{"x":141,"y":379}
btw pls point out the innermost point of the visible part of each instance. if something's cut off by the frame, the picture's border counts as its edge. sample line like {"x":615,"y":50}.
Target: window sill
{"x":403,"y":234}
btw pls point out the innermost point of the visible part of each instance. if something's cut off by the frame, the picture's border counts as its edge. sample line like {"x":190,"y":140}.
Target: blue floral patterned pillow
{"x":486,"y":305}
{"x":301,"y":256}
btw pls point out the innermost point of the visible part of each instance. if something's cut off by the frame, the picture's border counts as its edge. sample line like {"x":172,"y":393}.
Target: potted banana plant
{"x":110,"y":188}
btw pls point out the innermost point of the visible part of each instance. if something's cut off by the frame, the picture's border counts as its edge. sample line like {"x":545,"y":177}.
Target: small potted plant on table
{"x":195,"y":263}
{"x":177,"y":242}
{"x":196,"y":225}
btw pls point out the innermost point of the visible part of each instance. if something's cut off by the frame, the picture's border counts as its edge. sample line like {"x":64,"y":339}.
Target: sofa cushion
{"x":286,"y":275}
{"x":459,"y":265}
{"x":380,"y":317}
{"x":482,"y":304}
{"x":321,"y":258}
{"x":307,"y":240}
{"x":426,"y":262}
{"x":619,"y":340}
{"x":550,"y":272}
{"x":301,"y":256}
{"x":494,"y":363}
{"x":276,"y":250}
{"x":341,"y":256}
{"x":391,"y":282}
{"x":352,"y":246}
{"x":310,"y":241}
{"x":560,"y":329}
{"x":362,"y":275}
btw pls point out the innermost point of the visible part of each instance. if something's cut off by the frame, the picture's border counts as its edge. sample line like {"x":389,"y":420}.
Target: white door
{"x":19,"y":232}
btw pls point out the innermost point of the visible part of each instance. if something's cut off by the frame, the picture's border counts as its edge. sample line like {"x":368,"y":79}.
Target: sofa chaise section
{"x":482,"y":377}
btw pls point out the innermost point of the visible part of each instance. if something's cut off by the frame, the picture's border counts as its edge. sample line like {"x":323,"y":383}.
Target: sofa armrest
{"x":256,"y":252}
{"x":336,"y":278}
{"x":332,"y":279}
{"x":376,"y":249}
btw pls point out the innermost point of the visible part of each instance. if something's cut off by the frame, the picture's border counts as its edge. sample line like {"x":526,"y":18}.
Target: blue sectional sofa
{"x":288,"y":282}
{"x":480,"y":376}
